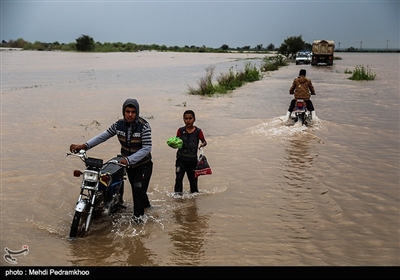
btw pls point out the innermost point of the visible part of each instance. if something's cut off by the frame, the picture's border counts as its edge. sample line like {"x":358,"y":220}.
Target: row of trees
{"x":87,"y":43}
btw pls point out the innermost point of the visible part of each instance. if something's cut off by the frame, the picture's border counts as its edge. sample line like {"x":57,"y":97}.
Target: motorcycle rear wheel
{"x":78,"y":225}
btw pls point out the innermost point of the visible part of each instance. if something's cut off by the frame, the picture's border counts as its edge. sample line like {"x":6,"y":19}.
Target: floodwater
{"x":324,"y":195}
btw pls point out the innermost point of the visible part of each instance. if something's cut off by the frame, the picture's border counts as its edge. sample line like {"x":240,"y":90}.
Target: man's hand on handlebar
{"x":74,"y":148}
{"x":123,"y":161}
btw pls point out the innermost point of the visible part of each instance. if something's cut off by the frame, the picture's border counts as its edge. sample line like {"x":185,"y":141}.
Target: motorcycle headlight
{"x":90,"y":176}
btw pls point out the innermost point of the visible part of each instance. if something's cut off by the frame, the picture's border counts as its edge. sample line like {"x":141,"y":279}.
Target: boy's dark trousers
{"x":188,"y":167}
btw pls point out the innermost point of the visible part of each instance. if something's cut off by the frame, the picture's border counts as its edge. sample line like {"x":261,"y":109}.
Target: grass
{"x":347,"y":71}
{"x":272,"y":63}
{"x":234,"y":79}
{"x":361,"y":73}
{"x":225,"y":82}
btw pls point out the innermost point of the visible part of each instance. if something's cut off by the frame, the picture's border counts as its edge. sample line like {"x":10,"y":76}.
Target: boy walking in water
{"x":186,"y":157}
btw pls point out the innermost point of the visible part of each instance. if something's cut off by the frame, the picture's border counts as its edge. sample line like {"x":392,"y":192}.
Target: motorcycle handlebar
{"x":82,"y":155}
{"x":116,"y":162}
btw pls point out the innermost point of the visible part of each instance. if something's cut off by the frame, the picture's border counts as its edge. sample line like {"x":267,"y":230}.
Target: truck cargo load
{"x":322,"y":52}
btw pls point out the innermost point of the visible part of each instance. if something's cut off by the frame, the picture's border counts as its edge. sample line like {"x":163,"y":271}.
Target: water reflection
{"x":138,"y":254}
{"x":188,"y":238}
{"x":105,"y":248}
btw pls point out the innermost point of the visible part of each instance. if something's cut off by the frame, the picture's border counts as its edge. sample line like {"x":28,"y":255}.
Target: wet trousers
{"x":139,"y":178}
{"x":183,"y":167}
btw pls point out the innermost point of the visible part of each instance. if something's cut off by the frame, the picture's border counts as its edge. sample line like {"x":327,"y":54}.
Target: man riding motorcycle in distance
{"x":134,"y":135}
{"x":302,"y":88}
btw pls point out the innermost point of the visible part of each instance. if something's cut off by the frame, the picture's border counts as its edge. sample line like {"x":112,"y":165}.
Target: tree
{"x":163,"y":48}
{"x":351,"y":49}
{"x":38,"y":46}
{"x":291,"y":46}
{"x":85,"y":43}
{"x":224,"y":47}
{"x":19,"y":43}
{"x":307,"y":46}
{"x":271,"y":47}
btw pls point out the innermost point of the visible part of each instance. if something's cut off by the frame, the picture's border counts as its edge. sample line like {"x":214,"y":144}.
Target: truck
{"x":322,"y":52}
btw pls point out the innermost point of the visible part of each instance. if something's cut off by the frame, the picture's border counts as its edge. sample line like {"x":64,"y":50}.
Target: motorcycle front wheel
{"x":78,"y":225}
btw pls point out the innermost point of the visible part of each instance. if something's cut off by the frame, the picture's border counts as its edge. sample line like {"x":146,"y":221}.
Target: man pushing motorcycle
{"x":302,"y":88}
{"x":134,"y":135}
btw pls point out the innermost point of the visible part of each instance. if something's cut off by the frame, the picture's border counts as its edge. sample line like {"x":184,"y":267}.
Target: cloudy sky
{"x":353,"y":23}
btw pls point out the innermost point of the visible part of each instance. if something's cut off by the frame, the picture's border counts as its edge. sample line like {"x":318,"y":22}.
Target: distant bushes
{"x":86,"y":43}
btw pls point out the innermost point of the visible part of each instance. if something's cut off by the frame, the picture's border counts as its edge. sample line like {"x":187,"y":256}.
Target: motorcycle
{"x":101,"y":191}
{"x":300,"y":113}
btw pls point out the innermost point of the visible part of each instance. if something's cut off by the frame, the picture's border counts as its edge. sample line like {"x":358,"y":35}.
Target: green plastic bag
{"x":175,"y":142}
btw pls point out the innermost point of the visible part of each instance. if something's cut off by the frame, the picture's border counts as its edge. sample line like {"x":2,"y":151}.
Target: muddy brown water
{"x":325,"y":195}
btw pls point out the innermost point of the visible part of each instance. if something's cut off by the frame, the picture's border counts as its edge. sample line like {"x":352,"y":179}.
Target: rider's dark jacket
{"x":135,"y":138}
